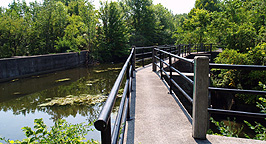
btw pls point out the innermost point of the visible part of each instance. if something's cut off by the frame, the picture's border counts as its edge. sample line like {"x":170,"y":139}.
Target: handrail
{"x":238,"y":91}
{"x":120,"y":112}
{"x":238,"y":113}
{"x":103,"y":122}
{"x":237,"y":67}
{"x":234,"y":66}
{"x":182,"y":75}
{"x":180,"y":50}
{"x":144,"y":53}
{"x":172,"y":82}
{"x":158,"y":54}
{"x":178,"y":57}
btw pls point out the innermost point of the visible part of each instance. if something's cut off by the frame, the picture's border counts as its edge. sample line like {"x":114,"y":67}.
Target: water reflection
{"x":21,"y":97}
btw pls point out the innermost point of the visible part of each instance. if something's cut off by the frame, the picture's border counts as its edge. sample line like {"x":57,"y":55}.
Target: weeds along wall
{"x":24,"y":66}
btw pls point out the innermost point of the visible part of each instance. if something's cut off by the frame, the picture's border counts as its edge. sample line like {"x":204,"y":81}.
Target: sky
{"x":176,"y":6}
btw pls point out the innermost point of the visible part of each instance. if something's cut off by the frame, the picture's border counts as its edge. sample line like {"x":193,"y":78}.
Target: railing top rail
{"x":176,"y":56}
{"x":145,"y":47}
{"x":162,"y":47}
{"x":101,"y":123}
{"x":238,"y":113}
{"x":234,"y":66}
{"x":238,"y":91}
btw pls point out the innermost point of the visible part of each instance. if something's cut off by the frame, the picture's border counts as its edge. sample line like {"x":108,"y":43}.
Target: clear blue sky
{"x":176,"y":6}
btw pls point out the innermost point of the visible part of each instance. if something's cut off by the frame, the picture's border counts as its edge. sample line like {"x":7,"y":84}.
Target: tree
{"x":240,"y":37}
{"x":210,"y":5}
{"x":81,"y":29}
{"x":166,"y":25}
{"x":197,"y":25}
{"x":145,"y":23}
{"x":113,"y":35}
{"x":48,"y":25}
{"x":13,"y":30}
{"x":74,"y":39}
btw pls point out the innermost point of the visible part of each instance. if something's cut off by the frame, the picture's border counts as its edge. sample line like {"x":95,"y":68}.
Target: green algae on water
{"x":62,"y":80}
{"x":74,"y":100}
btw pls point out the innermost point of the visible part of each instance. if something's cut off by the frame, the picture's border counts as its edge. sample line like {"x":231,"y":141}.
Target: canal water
{"x":20,"y":99}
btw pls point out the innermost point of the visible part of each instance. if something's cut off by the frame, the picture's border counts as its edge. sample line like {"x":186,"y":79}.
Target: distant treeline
{"x":73,"y":25}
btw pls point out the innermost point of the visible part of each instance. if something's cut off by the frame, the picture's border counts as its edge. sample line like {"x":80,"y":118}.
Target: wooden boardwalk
{"x":159,"y":118}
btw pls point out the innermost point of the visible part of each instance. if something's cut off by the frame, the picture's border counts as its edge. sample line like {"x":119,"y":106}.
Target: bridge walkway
{"x":159,"y":118}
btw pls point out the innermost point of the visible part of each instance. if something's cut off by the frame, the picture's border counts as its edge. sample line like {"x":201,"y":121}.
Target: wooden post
{"x":200,"y":97}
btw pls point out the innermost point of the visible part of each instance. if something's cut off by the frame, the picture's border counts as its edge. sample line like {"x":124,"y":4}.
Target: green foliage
{"x":74,"y":33}
{"x":228,"y":129}
{"x":74,"y":25}
{"x":62,"y":132}
{"x":231,"y":131}
{"x":146,"y":24}
{"x":259,"y":129}
{"x":241,"y":79}
{"x":237,"y":24}
{"x":262,"y":105}
{"x":210,"y":5}
{"x":195,"y":29}
{"x":166,"y":25}
{"x":13,"y":29}
{"x":230,"y":56}
{"x":229,"y":78}
{"x":261,"y":38}
{"x":113,"y":35}
{"x":258,"y":54}
{"x":240,"y":37}
{"x":46,"y":28}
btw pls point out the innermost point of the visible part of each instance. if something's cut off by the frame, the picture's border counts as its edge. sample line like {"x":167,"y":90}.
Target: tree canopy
{"x":73,"y":25}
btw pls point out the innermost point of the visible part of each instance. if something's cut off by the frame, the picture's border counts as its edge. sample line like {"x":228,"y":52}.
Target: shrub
{"x":241,"y":79}
{"x":259,"y":129}
{"x":229,"y":129}
{"x":62,"y":132}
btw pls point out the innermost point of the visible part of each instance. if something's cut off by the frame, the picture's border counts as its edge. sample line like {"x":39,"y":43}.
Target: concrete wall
{"x":11,"y":68}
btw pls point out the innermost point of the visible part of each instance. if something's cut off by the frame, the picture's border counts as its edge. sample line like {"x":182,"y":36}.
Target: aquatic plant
{"x":74,"y":100}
